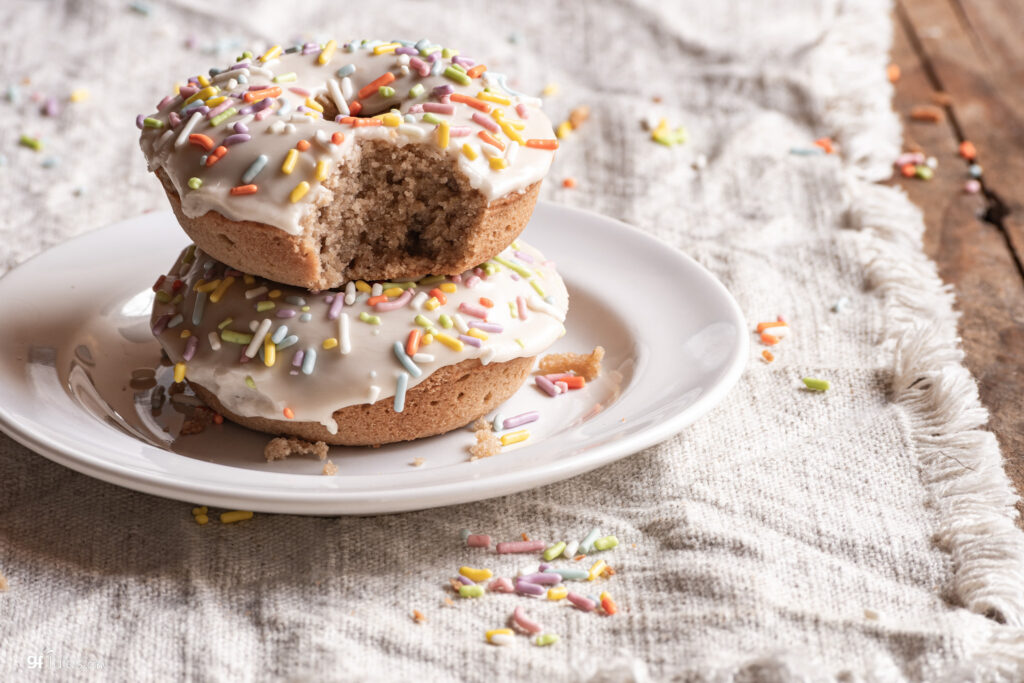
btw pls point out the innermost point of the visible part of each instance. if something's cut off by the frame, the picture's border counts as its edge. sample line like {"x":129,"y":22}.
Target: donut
{"x":367,"y":364}
{"x":319,"y":164}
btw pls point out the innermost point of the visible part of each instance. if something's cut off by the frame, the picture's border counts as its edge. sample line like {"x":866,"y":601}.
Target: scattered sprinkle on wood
{"x":927,"y":113}
{"x":418,"y":616}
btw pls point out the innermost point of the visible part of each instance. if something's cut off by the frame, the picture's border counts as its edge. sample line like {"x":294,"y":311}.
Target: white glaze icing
{"x":364,"y":367}
{"x":287,"y":120}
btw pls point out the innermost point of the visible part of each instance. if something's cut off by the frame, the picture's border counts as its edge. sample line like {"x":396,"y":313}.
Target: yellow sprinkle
{"x":473,"y":332}
{"x":443,"y":129}
{"x":249,"y":279}
{"x":271,"y":53}
{"x":498,"y":632}
{"x":393,"y":291}
{"x":432,"y":303}
{"x":299,"y":192}
{"x":201,"y":510}
{"x":511,"y":132}
{"x":390,"y":47}
{"x":235,"y":516}
{"x":179,"y":372}
{"x":451,"y":342}
{"x":206,"y":286}
{"x":595,"y":571}
{"x":447,"y":287}
{"x":274,"y":293}
{"x":269,"y":352}
{"x":321,"y":170}
{"x":203,"y":80}
{"x":79,"y":95}
{"x":221,"y":289}
{"x":476,"y":575}
{"x":391,"y":120}
{"x":203,"y":94}
{"x":557,"y":593}
{"x":330,"y":343}
{"x":489,"y":97}
{"x":563,"y":130}
{"x":185,"y":334}
{"x":326,"y":53}
{"x":499,"y":163}
{"x":661,"y":129}
{"x":313,"y":104}
{"x":290,"y":160}
{"x":427,"y":340}
{"x":549,"y":90}
{"x":361,"y":286}
{"x":470,"y":153}
{"x":202,"y":519}
{"x":515,"y":437}
{"x":214,"y":101}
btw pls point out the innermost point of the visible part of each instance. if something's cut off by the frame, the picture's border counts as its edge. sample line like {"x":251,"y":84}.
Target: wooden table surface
{"x":968,"y":58}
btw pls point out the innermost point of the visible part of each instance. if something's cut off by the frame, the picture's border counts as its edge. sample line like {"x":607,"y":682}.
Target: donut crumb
{"x":586,"y":365}
{"x":283,"y":447}
{"x":3,"y":583}
{"x":487,"y":444}
{"x":330,"y":469}
{"x":198,"y":419}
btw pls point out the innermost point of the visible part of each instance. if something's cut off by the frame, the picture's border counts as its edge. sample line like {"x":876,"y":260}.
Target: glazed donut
{"x":371,"y":363}
{"x":320,"y":164}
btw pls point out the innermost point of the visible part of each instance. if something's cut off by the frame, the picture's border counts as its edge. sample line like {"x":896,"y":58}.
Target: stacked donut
{"x":355,"y":275}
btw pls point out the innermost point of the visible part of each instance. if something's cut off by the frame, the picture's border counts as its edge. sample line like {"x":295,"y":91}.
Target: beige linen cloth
{"x":862,"y":534}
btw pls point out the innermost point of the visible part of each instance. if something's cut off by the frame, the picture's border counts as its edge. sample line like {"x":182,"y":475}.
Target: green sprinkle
{"x":386,"y":91}
{"x":546,"y":639}
{"x":432,"y":280}
{"x":265,"y":306}
{"x":448,"y":53}
{"x":250,"y":382}
{"x":459,"y":67}
{"x":416,"y":90}
{"x":163,"y":297}
{"x":816,"y":384}
{"x":223,"y":116}
{"x":286,"y":78}
{"x":554,"y":551}
{"x":371,"y":319}
{"x":401,"y":285}
{"x":30,"y":142}
{"x":233,"y":337}
{"x":512,"y":309}
{"x":423,"y":322}
{"x":536,"y":286}
{"x":305,"y":309}
{"x":606,"y":543}
{"x":522,"y":270}
{"x":150,"y":122}
{"x":670,"y":138}
{"x":245,"y":55}
{"x":430,"y":49}
{"x":490,"y":268}
{"x":474,"y":591}
{"x":520,"y":342}
{"x":224,"y":323}
{"x":924,"y":172}
{"x":457,"y":76}
{"x":195,"y":183}
{"x":430,"y":118}
{"x":446,"y":321}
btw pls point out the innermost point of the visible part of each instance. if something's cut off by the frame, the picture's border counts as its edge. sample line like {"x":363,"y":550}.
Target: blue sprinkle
{"x":279,"y":334}
{"x":295,"y":300}
{"x":400,"y":388}
{"x":346,"y":70}
{"x":254,"y":169}
{"x":406,"y":362}
{"x":305,"y":317}
{"x":309,"y":361}
{"x":290,"y":340}
{"x":51,"y":162}
{"x":140,"y":8}
{"x":199,"y":308}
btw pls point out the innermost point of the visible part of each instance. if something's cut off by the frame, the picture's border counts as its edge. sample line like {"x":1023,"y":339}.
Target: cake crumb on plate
{"x":281,"y":447}
{"x":330,"y":469}
{"x":586,"y":365}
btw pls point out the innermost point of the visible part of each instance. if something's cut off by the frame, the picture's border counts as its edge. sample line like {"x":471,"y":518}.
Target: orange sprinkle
{"x":537,"y":143}
{"x":825,"y":144}
{"x":418,"y":617}
{"x":761,"y":327}
{"x":439,"y":295}
{"x":769,"y":339}
{"x":201,"y":140}
{"x":359,"y":123}
{"x":257,"y":95}
{"x":412,"y":344}
{"x":371,"y":88}
{"x":486,"y":303}
{"x":216,"y":155}
{"x":892,"y":72}
{"x":218,"y":419}
{"x":471,"y":101}
{"x":490,"y":139}
{"x":569,"y":182}
{"x":355,"y":107}
{"x":244,"y":189}
{"x":608,"y":571}
{"x":374,"y":300}
{"x":574,"y":382}
{"x":609,"y":605}
{"x":338,"y":138}
{"x":768,"y":356}
{"x":967,"y":150}
{"x":578,"y":558}
{"x":476,"y":71}
{"x":289,"y":413}
{"x":908,"y":170}
{"x":302,"y":145}
{"x":525,"y":537}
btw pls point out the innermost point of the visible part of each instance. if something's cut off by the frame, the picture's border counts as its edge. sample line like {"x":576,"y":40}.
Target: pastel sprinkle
{"x":816,"y":384}
{"x":401,"y":385}
{"x":299,"y":192}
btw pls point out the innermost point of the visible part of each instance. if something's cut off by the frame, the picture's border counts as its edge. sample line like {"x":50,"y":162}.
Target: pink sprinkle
{"x":187,"y":91}
{"x":416,"y":109}
{"x":972,"y":186}
{"x":524,"y":622}
{"x":520,"y":547}
{"x":547,"y":385}
{"x":562,"y":387}
{"x":521,"y":308}
{"x":523,"y":112}
{"x":542,"y":579}
{"x":395,"y":304}
{"x":559,"y":376}
{"x":473,"y":310}
{"x":478,"y":541}
{"x":422,"y":68}
{"x":501,"y":585}
{"x":457,"y":279}
{"x":585,"y":604}
{"x":485,"y":121}
{"x":164,"y":102}
{"x":263,"y":113}
{"x":459,"y":131}
{"x":300,"y":91}
{"x":438,"y":108}
{"x":190,"y":348}
{"x":472,"y":281}
{"x":218,"y":109}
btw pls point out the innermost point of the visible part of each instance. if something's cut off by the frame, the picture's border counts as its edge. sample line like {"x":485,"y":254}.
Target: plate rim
{"x":327,"y":501}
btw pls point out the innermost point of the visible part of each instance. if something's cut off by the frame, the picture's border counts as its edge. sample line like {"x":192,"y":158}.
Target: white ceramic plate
{"x":76,"y":324}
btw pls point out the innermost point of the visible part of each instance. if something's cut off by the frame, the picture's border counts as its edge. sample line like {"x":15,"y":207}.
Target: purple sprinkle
{"x":194,"y":80}
{"x":485,"y":121}
{"x":262,"y":104}
{"x":245,"y":111}
{"x":302,"y":108}
{"x":253,"y":88}
{"x":190,"y":348}
{"x":472,"y":281}
{"x":335,"y":309}
{"x":442,"y":90}
{"x":297,"y":358}
{"x":437,"y":108}
{"x":520,"y":420}
{"x":472,"y":341}
{"x":544,"y":566}
{"x":240,"y":65}
{"x":487,"y":327}
{"x":329,"y":298}
{"x":286,"y":313}
{"x":173,"y":119}
{"x":394,"y":304}
{"x":164,"y":102}
{"x":465,"y":580}
{"x":187,"y":91}
{"x":235,"y":139}
{"x":139,"y":121}
{"x":309,"y":48}
{"x":405,"y":50}
{"x":462,"y":61}
{"x":218,"y":109}
{"x":242,"y":128}
{"x":522,"y":256}
{"x":161,"y":324}
{"x":547,"y":385}
{"x":527,"y":588}
{"x":203,"y":109}
{"x":541,"y":579}
{"x":515,"y":276}
{"x":434,"y":56}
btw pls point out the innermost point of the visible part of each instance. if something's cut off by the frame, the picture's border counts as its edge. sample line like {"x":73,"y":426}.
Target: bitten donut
{"x":368,"y":364}
{"x":320,"y":164}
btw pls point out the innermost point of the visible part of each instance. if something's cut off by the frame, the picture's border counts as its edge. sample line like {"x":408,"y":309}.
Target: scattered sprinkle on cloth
{"x":866,"y":531}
